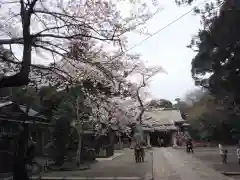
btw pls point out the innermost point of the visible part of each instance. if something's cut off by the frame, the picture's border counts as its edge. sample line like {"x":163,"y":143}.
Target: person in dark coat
{"x":189,"y":145}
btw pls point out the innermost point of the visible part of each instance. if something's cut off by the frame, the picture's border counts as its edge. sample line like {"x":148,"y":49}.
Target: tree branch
{"x":74,"y":36}
{"x":51,"y":69}
{"x":139,"y":118}
{"x":77,"y":21}
{"x":31,"y":7}
{"x":11,"y":41}
{"x":21,"y":78}
{"x":57,"y":14}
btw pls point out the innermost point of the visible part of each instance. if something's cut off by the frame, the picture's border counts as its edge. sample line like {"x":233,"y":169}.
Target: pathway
{"x":211,"y":156}
{"x":171,"y":164}
{"x":122,"y":167}
{"x":161,"y":164}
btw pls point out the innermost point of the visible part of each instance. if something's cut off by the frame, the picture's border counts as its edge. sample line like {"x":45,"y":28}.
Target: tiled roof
{"x":162,"y":128}
{"x":158,"y":117}
{"x":31,"y":112}
{"x":147,"y":129}
{"x":2,"y":104}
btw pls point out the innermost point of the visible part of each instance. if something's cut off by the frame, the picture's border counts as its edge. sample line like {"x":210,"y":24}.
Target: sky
{"x":168,"y":49}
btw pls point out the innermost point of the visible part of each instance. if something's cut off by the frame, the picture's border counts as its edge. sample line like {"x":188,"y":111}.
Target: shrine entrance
{"x":157,"y":135}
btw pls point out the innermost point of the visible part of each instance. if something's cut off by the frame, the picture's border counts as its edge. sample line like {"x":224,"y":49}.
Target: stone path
{"x":162,"y":169}
{"x":117,"y":154}
{"x":178,"y":165}
{"x":122,"y":167}
{"x":160,"y":164}
{"x":211,"y":156}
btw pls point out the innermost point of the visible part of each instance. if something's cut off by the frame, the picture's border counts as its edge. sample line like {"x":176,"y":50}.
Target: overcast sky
{"x":168,"y":49}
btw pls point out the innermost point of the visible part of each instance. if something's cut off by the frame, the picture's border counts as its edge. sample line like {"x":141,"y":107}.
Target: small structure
{"x":105,"y":141}
{"x":87,"y":145}
{"x":12,"y":116}
{"x":164,"y":124}
{"x":84,"y":133}
{"x":122,"y":140}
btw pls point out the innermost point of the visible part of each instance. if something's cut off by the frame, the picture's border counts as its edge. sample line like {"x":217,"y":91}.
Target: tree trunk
{"x":61,"y":139}
{"x":139,"y":118}
{"x":21,"y":78}
{"x":80,"y":131}
{"x":79,"y":150}
{"x":19,"y":167}
{"x":61,"y":143}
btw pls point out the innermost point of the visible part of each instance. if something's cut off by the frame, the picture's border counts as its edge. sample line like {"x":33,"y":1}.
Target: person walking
{"x":238,"y":153}
{"x":137,"y":150}
{"x":158,"y":141}
{"x":162,"y":142}
{"x":189,"y":146}
{"x":223,"y":153}
{"x":138,"y":146}
{"x":225,"y":156}
{"x":30,"y":154}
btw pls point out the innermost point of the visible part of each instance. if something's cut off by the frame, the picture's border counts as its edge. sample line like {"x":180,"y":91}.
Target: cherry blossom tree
{"x":139,"y":89}
{"x":101,"y":84}
{"x":73,"y":35}
{"x":45,"y":28}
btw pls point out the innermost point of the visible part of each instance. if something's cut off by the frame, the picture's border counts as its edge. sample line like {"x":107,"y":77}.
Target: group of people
{"x":161,"y":142}
{"x":223,"y":151}
{"x":139,"y":152}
